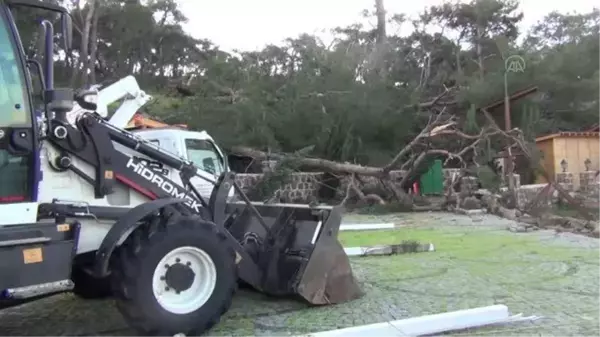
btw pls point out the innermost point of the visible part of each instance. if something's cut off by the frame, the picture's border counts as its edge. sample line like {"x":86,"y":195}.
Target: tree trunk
{"x":479,"y":47}
{"x":458,"y":59}
{"x":377,"y":57}
{"x":94,"y":46}
{"x":85,"y":38}
{"x":381,"y":29}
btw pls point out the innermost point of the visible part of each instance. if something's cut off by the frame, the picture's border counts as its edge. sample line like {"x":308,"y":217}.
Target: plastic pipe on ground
{"x":430,"y":324}
{"x":368,"y":226}
{"x":402,"y":248}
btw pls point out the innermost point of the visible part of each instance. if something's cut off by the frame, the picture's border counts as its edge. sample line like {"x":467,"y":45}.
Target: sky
{"x":251,"y":24}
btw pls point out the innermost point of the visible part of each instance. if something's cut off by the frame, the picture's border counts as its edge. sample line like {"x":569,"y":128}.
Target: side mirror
{"x":67,"y":31}
{"x":87,"y":99}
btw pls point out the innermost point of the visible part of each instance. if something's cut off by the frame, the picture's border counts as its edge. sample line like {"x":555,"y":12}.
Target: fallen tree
{"x":410,"y":158}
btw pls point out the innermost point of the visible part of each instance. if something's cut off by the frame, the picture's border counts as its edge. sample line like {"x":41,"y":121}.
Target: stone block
{"x":587,"y":181}
{"x":564,"y":178}
{"x":527,"y":193}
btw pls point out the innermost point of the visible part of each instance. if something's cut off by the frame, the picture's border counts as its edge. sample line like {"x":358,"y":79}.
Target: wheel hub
{"x":184,"y":280}
{"x":179,"y":277}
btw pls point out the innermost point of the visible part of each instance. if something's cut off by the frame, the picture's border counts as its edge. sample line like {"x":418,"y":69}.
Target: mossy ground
{"x":476,"y":263}
{"x":471,"y":267}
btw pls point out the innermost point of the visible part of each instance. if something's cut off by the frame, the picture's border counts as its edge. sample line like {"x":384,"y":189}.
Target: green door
{"x":432,"y":181}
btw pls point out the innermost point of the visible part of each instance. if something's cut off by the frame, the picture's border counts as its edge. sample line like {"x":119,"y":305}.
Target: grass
{"x":461,"y":243}
{"x":481,"y":253}
{"x":471,"y":268}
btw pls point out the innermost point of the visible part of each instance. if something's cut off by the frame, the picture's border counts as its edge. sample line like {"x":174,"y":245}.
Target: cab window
{"x":204,"y":155}
{"x":15,"y":184}
{"x":13,"y":94}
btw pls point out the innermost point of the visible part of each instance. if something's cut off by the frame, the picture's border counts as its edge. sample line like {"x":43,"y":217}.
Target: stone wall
{"x":527,"y":193}
{"x":588,"y":189}
{"x":369,"y":184}
{"x":304,"y":187}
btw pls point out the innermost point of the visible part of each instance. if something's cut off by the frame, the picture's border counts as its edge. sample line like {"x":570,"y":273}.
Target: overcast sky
{"x":251,"y":24}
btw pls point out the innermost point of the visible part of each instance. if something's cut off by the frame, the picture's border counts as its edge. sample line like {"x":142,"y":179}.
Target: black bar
{"x":48,"y":54}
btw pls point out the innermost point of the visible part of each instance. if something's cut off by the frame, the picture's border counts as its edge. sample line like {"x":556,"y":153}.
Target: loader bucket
{"x":328,"y":277}
{"x":298,"y":252}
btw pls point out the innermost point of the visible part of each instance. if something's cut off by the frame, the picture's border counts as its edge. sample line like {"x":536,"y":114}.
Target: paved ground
{"x":477,"y":263}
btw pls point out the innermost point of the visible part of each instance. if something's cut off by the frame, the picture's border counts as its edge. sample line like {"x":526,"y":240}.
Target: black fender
{"x":122,"y":228}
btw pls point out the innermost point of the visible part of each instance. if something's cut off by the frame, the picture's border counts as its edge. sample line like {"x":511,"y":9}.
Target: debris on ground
{"x":432,"y":324}
{"x":368,"y":226}
{"x":405,"y":247}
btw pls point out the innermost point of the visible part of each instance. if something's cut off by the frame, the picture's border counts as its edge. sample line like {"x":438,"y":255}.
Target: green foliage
{"x":530,"y":116}
{"x":273,"y":180}
{"x":470,"y":125}
{"x":355,"y":100}
{"x":488,"y":178}
{"x":277,"y":177}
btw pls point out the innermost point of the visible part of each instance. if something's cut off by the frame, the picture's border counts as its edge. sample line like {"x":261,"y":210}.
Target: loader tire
{"x":189,"y":256}
{"x":89,"y":287}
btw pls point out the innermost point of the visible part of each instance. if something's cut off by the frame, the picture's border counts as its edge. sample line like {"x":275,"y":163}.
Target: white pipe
{"x":430,"y":324}
{"x":383,"y":250}
{"x":368,"y":226}
{"x":316,"y":234}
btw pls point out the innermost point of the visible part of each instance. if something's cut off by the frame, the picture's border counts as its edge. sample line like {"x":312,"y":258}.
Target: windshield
{"x":13,"y":96}
{"x":204,"y":155}
{"x":14,"y":113}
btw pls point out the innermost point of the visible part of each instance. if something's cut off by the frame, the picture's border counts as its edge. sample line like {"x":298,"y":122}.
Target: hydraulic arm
{"x":126,"y":89}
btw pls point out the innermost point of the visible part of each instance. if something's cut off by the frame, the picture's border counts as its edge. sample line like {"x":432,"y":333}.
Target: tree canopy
{"x":357,"y":99}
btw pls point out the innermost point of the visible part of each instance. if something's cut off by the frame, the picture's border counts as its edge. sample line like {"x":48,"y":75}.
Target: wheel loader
{"x":76,"y":210}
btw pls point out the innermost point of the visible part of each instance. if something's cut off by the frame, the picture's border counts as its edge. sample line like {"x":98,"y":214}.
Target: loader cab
{"x":17,"y":136}
{"x":197,"y":147}
{"x":19,"y":155}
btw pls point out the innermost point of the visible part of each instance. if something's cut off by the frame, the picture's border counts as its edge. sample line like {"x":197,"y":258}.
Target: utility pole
{"x":507,"y":126}
{"x":513,"y":63}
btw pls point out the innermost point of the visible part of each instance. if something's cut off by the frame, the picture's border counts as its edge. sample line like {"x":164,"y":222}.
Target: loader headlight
{"x":91,"y":98}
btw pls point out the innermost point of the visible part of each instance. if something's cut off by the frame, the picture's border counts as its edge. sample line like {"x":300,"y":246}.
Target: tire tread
{"x":126,"y":271}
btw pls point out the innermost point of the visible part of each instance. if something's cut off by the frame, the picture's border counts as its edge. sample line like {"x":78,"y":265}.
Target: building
{"x":572,"y":152}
